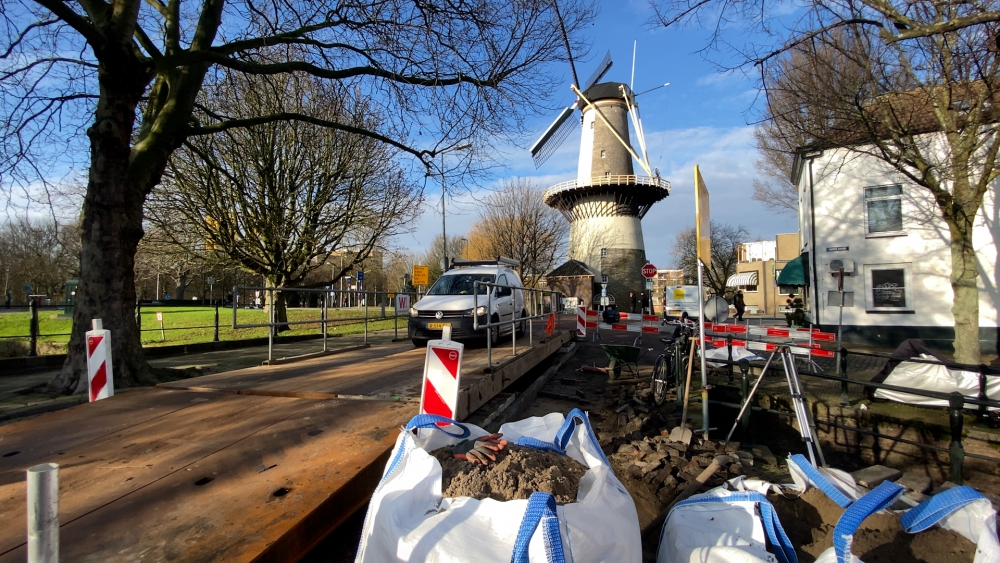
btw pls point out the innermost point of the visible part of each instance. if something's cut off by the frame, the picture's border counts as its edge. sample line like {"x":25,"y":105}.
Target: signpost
{"x":442,"y":369}
{"x":703,"y":235}
{"x":159,"y":318}
{"x":421,"y":275}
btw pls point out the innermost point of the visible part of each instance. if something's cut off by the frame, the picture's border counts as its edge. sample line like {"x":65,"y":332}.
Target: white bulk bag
{"x":408,"y":520}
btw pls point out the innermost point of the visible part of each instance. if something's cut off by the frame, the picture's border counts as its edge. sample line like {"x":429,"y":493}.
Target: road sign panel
{"x":649,"y":283}
{"x":649,"y":270}
{"x":361,"y":275}
{"x":402,"y":303}
{"x":421,"y":275}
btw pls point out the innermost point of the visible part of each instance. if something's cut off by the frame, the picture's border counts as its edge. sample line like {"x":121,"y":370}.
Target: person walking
{"x":631,"y":299}
{"x":644,"y":299}
{"x":739,"y":304}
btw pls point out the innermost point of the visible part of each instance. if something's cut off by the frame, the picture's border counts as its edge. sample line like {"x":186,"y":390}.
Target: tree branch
{"x":291,"y":116}
{"x":88,"y":30}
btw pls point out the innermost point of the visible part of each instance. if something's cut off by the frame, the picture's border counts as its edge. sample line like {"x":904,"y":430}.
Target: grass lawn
{"x":189,"y":325}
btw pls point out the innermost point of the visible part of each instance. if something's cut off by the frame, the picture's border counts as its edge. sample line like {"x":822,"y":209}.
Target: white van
{"x":451,"y":301}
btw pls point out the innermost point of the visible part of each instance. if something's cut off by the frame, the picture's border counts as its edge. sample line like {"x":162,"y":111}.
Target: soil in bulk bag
{"x":409,"y":520}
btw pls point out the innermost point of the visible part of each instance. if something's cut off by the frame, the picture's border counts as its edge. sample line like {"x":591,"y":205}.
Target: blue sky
{"x":701,"y":118}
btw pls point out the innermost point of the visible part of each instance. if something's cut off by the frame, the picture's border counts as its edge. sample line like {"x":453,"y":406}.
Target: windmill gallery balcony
{"x":606,"y":196}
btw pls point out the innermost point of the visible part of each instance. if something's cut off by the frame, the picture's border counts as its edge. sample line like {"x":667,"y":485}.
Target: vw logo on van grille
{"x":439,"y":315}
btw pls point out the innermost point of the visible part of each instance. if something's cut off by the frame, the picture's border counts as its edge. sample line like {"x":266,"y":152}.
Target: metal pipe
{"x":43,"y":513}
{"x":322,"y":316}
{"x":956,"y":452}
{"x":704,"y":370}
{"x":270,"y":329}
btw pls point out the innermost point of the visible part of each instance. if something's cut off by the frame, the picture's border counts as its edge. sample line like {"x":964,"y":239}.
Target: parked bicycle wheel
{"x":661,"y":371}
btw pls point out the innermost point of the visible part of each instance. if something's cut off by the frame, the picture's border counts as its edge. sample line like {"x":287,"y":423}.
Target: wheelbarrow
{"x":622,"y":355}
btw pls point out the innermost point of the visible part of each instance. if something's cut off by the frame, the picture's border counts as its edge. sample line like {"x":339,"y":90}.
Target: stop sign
{"x":649,"y":270}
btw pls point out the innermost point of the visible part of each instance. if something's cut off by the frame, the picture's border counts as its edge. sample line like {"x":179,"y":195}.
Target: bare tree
{"x":516,"y":223}
{"x":913,"y":84}
{"x":434,"y":256}
{"x":726,"y":240}
{"x":124,"y":75}
{"x":280,"y":197}
{"x":774,"y":187}
{"x":40,"y":253}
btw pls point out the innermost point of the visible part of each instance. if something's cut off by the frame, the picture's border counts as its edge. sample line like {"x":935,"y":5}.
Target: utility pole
{"x":444,"y":234}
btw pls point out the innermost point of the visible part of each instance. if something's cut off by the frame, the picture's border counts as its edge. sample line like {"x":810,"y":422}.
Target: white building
{"x":856,"y":211}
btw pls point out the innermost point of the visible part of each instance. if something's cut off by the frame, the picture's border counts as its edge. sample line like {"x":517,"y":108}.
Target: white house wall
{"x":839,"y":178}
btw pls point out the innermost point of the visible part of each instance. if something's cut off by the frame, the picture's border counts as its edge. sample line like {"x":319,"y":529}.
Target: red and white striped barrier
{"x":583,"y":321}
{"x":442,"y":368}
{"x":639,"y":317}
{"x":100,"y":375}
{"x":630,"y":328}
{"x":797,"y":350}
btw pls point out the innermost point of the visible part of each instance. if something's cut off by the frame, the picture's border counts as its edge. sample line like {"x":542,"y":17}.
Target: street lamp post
{"x":444,"y":234}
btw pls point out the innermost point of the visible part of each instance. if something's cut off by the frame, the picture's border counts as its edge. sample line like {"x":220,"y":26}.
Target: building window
{"x":888,"y":287}
{"x":607,"y":174}
{"x":591,"y":124}
{"x":884,"y":210}
{"x":603,"y":154}
{"x":748,"y":288}
{"x":782,"y":289}
{"x":604,"y":253}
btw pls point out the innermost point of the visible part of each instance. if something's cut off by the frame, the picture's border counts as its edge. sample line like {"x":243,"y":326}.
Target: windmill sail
{"x":554,"y":136}
{"x":602,"y":69}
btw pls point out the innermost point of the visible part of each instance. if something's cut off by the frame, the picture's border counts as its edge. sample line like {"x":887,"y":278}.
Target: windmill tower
{"x":606,"y":202}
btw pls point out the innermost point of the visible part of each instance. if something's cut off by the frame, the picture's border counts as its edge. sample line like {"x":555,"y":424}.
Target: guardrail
{"x":535,"y":305}
{"x":330,"y":299}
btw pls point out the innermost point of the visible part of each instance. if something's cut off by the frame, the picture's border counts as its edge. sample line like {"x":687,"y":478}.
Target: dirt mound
{"x":517,"y":473}
{"x":809,"y":521}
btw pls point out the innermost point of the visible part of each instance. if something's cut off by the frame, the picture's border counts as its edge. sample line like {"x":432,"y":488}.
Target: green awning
{"x":793,"y":273}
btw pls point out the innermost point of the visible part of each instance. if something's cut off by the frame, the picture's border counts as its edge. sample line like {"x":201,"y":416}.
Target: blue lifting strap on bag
{"x":772,"y":526}
{"x":541,"y":510}
{"x":575,"y":418}
{"x":843,"y":533}
{"x":820,"y":481}
{"x":937,"y":508}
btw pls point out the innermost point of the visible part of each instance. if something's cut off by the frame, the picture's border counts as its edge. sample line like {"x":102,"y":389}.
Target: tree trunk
{"x":182,"y":285}
{"x":276,"y":299}
{"x":965,"y":307}
{"x":111,"y":227}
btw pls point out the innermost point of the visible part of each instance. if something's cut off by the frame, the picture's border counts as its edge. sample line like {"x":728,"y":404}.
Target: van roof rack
{"x":498,"y":261}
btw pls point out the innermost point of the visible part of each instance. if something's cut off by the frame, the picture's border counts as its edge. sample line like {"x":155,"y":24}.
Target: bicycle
{"x":669,"y":366}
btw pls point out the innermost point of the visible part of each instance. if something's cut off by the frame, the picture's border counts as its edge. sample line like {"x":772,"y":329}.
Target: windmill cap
{"x":606,"y":90}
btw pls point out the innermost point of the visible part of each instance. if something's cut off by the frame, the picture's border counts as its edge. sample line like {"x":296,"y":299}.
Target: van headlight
{"x":413,"y":311}
{"x":478,"y":311}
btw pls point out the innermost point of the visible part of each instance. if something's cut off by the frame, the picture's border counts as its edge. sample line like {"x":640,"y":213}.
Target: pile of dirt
{"x":517,"y":473}
{"x":809,"y":521}
{"x":634,"y":433}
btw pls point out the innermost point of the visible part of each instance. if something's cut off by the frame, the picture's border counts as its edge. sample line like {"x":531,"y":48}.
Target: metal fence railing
{"x":351,"y":306}
{"x":814,"y":380}
{"x":538,"y":303}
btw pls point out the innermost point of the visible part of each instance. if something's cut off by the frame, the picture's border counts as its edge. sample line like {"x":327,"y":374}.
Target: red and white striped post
{"x":582,"y":314}
{"x":100,"y":376}
{"x":442,"y":370}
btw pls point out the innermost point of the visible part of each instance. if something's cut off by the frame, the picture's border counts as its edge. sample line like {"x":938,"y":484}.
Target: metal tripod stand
{"x":807,"y":428}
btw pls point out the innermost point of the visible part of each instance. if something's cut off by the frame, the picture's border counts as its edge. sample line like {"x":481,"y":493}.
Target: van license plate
{"x":437,"y":326}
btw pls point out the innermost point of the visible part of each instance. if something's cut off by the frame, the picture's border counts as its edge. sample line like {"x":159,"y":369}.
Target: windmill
{"x":607,"y":201}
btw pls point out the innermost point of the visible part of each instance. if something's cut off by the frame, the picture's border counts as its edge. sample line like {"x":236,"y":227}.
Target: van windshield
{"x":460,"y":284}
